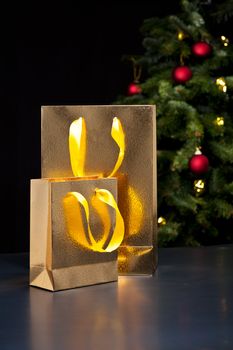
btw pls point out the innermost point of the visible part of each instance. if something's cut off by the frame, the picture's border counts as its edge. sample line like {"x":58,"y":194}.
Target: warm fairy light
{"x":198,"y":150}
{"x":199,"y":186}
{"x":225,"y":40}
{"x":162,"y":221}
{"x":180,"y":35}
{"x":219,"y":121}
{"x":224,"y":89}
{"x":221,"y":83}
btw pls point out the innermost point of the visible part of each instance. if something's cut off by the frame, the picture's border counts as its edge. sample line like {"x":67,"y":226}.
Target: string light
{"x":162,"y":221}
{"x":221,"y":83}
{"x":219,"y":121}
{"x":224,"y":40}
{"x":180,"y":35}
{"x":198,"y":150}
{"x":199,"y":186}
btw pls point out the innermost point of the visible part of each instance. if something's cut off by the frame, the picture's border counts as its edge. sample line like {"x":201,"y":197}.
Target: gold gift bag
{"x":75,"y":229}
{"x":110,"y":141}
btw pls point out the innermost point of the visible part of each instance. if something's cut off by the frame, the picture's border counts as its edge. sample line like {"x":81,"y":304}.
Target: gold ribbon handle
{"x":118,"y":136}
{"x":76,"y":206}
{"x":77,"y":145}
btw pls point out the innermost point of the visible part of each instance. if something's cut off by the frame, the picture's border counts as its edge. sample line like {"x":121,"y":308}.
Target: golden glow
{"x":180,"y":35}
{"x":76,"y":207}
{"x":118,"y":136}
{"x":221,"y":83}
{"x":136,"y":251}
{"x":199,"y":186}
{"x":131,"y":256}
{"x":131,"y":205}
{"x":225,"y":40}
{"x":73,"y":216}
{"x":118,"y":234}
{"x":162,"y":221}
{"x":198,"y":150}
{"x":77,"y":146}
{"x":102,"y":210}
{"x":219,"y":121}
{"x":135,"y":211}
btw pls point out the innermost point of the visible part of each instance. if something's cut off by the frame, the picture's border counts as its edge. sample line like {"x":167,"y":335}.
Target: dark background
{"x":50,"y":58}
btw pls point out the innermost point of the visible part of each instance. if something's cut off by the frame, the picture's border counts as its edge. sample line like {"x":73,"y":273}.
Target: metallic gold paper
{"x":135,"y":169}
{"x":56,"y":260}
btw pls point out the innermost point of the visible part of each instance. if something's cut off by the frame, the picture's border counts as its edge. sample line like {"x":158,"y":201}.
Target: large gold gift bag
{"x":107,"y":141}
{"x":75,"y":230}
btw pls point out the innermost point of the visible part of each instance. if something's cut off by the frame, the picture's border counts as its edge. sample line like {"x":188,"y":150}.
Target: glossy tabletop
{"x":187,"y":305}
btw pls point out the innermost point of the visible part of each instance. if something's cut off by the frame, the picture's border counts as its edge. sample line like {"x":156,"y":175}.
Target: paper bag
{"x":110,"y":141}
{"x":74,"y":232}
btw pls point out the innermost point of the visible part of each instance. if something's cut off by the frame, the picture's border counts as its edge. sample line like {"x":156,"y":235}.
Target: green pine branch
{"x":196,"y":113}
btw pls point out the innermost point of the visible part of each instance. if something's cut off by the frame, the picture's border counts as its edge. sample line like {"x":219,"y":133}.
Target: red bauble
{"x":134,"y":89}
{"x":182,"y":74}
{"x":199,"y":164}
{"x":201,"y":49}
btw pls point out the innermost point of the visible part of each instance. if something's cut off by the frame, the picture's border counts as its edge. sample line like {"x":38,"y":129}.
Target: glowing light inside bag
{"x":77,"y":145}
{"x":76,"y":207}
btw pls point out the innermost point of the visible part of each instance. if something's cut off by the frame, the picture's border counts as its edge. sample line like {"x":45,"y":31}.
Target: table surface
{"x":187,"y":305}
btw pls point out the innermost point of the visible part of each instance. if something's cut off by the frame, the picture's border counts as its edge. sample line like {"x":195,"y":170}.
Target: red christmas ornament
{"x":201,"y":49}
{"x":199,"y":163}
{"x":182,"y":74}
{"x":134,"y":89}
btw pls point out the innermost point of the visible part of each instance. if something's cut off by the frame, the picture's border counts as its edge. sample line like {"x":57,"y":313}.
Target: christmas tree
{"x":187,"y":75}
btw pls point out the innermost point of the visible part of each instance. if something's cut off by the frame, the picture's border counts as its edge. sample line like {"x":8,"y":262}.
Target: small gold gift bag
{"x":109,"y":141}
{"x":75,"y":230}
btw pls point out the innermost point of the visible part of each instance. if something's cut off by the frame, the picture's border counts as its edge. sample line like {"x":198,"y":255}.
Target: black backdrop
{"x":50,"y":59}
